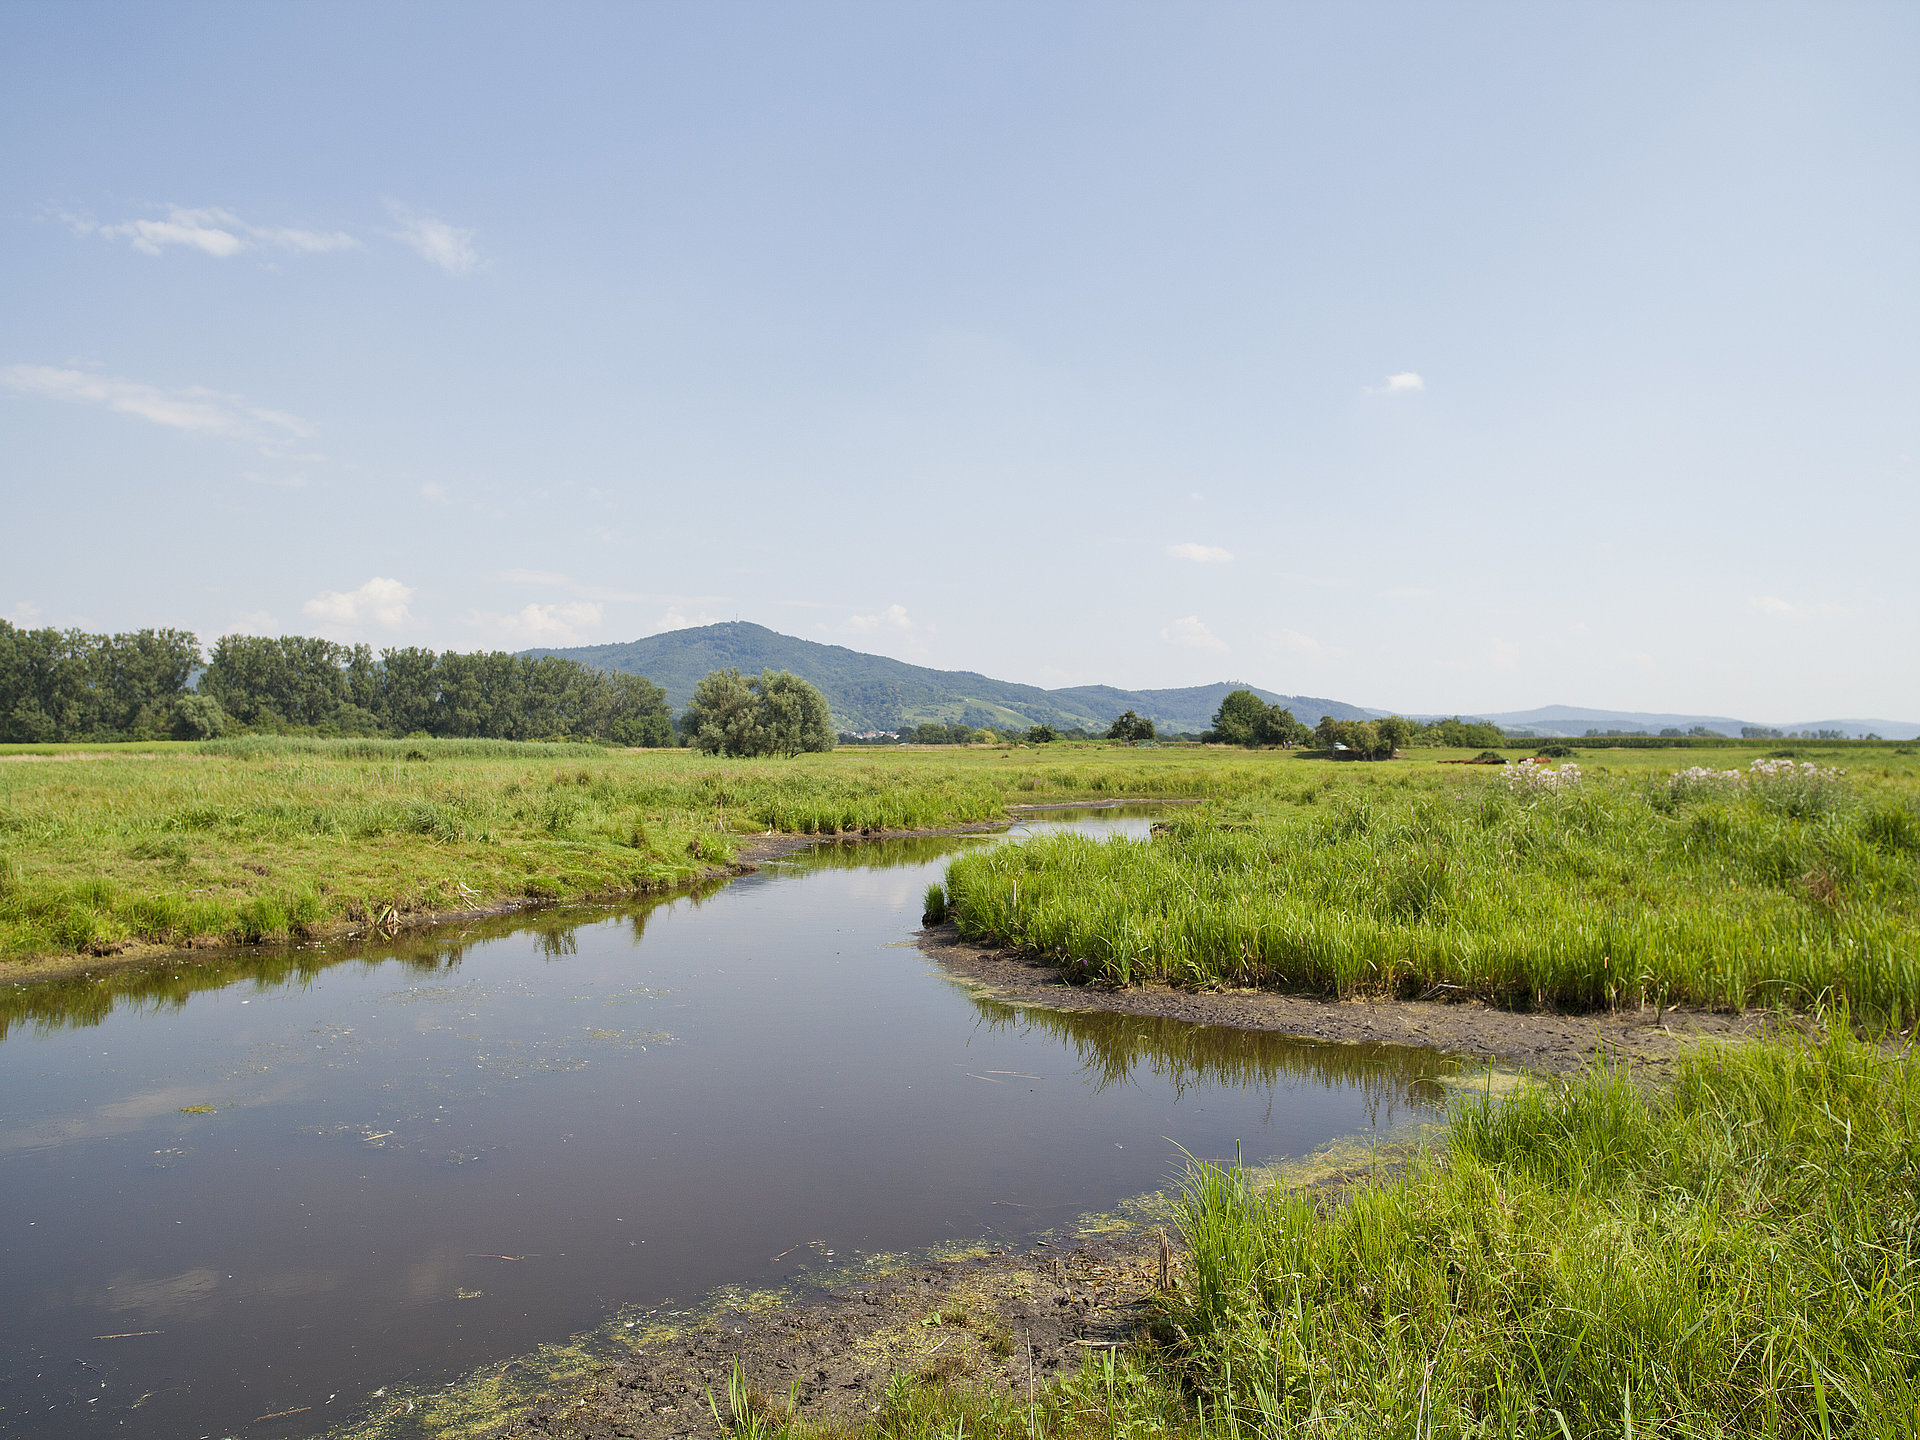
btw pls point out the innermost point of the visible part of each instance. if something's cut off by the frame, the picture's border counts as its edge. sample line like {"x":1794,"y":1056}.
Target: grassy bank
{"x":263,"y":838}
{"x":1735,"y":1257}
{"x":1644,"y":885}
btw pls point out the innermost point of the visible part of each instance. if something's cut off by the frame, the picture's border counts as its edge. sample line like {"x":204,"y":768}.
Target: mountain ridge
{"x":877,"y":692}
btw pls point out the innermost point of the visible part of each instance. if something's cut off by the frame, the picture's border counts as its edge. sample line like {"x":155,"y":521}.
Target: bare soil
{"x":1542,"y":1042}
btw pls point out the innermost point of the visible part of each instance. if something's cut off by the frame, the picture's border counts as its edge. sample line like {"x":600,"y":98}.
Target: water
{"x":424,"y":1157}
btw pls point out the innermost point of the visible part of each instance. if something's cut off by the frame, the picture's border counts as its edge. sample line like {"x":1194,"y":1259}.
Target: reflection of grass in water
{"x":852,"y":854}
{"x":84,"y":1000}
{"x":1113,"y":1047}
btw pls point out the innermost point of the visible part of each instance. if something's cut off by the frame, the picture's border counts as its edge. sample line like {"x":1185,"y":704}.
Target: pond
{"x":242,"y":1197}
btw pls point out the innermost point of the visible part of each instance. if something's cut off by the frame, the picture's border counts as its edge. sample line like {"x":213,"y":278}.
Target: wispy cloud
{"x":380,"y":604}
{"x":1188,"y":631}
{"x":24,"y":613}
{"x":437,"y":242}
{"x":206,"y":412}
{"x":894,"y":617}
{"x":254,"y":622}
{"x":1294,"y":643}
{"x":219,"y":233}
{"x":1406,"y":382}
{"x":677,"y":618}
{"x":1787,"y":610}
{"x":557,"y":624}
{"x":1201,"y":554}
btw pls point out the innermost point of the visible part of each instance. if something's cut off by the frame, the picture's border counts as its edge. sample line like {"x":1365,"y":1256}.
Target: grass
{"x":1630,"y":887}
{"x":260,"y":839}
{"x":1736,"y":1256}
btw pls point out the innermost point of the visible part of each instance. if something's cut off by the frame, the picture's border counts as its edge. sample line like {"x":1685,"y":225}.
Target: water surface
{"x":240,"y":1199}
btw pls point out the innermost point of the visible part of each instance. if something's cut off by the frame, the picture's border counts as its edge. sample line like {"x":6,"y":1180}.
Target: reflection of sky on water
{"x":322,"y":1170}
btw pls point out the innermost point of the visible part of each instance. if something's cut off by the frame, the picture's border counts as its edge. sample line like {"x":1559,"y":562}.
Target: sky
{"x":1438,"y":358}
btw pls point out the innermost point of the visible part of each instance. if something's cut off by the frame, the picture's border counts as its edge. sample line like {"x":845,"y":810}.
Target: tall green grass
{"x":1617,"y":892}
{"x":1739,"y":1256}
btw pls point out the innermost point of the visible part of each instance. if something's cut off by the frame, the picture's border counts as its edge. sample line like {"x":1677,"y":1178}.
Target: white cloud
{"x":1404,"y":383}
{"x":23,"y":614}
{"x":678,"y":619}
{"x":1294,"y":643}
{"x":436,"y":492}
{"x":278,"y":482}
{"x":437,"y":242}
{"x":254,"y":622}
{"x":1191,"y":633}
{"x":206,"y":412}
{"x":894,"y":617}
{"x":379,"y":604}
{"x":1786,"y":609}
{"x":219,"y":233}
{"x":1201,"y":554}
{"x":552,"y":624}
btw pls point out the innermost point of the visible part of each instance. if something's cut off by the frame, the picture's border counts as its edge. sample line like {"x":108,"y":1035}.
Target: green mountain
{"x":873,"y":692}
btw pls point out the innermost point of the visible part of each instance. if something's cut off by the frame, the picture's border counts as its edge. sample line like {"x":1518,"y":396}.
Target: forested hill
{"x":873,"y":692}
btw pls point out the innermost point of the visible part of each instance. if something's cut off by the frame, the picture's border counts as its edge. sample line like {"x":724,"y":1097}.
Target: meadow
{"x":1782,"y":881}
{"x":119,"y":848}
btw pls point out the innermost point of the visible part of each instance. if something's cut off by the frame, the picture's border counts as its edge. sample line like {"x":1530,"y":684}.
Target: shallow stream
{"x":239,"y":1199}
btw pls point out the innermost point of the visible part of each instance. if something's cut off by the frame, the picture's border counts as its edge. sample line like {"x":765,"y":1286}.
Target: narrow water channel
{"x":239,"y":1199}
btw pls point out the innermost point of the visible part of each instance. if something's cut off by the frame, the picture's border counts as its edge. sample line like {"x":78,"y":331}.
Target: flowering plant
{"x":1536,"y":777}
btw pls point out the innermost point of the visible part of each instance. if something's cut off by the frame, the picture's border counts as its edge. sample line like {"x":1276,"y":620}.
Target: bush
{"x":198,"y":717}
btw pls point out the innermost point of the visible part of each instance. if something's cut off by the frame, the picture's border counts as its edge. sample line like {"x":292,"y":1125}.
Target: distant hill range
{"x":873,"y":692}
{"x":1573,"y":720}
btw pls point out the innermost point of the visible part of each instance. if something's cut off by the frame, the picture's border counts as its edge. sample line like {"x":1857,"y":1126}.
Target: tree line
{"x":1245,"y":719}
{"x":65,"y":685}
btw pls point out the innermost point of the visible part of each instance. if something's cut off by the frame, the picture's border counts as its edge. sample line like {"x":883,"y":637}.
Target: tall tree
{"x":1240,"y":711}
{"x":794,"y":716}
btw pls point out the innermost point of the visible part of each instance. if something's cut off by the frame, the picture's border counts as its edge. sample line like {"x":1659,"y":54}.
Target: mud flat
{"x":1541,"y":1042}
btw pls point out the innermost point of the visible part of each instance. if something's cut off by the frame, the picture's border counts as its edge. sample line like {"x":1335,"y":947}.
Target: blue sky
{"x":1433,"y":357}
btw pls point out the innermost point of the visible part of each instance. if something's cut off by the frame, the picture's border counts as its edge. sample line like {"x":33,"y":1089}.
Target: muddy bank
{"x":1539,"y":1041}
{"x":998,"y":1320}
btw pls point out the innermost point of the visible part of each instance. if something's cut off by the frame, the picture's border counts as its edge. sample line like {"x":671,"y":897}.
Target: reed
{"x":1615,"y":891}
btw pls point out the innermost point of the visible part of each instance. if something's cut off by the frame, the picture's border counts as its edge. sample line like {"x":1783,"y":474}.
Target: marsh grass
{"x":1617,"y":891}
{"x":264,"y":839}
{"x":1735,"y":1256}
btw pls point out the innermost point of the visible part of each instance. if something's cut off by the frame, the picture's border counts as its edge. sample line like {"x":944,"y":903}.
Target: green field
{"x":110,"y":848}
{"x":1636,"y":883}
{"x":157,"y":845}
